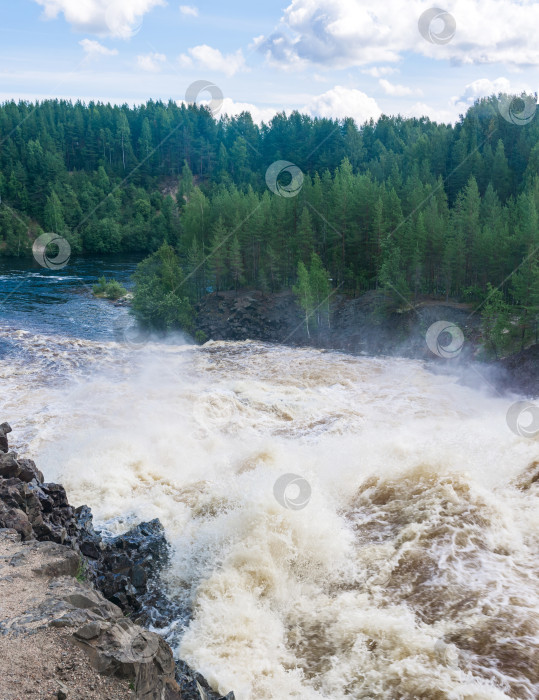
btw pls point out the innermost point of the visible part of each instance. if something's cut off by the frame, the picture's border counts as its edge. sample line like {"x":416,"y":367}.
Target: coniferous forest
{"x":408,"y":205}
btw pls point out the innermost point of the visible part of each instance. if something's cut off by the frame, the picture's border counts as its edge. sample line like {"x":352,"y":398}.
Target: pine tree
{"x":235,"y":262}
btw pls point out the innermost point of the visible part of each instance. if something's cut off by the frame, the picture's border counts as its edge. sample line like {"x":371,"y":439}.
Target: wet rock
{"x":5,"y":428}
{"x":126,"y":568}
{"x":194,"y":686}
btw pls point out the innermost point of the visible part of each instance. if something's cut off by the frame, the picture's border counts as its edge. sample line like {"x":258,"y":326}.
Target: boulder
{"x":126,"y":650}
{"x":9,"y":467}
{"x":5,"y":428}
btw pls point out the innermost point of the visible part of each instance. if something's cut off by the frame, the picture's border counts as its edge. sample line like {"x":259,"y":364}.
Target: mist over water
{"x":412,"y":572}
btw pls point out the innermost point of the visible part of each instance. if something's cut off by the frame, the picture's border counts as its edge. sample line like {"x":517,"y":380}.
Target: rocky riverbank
{"x":359,"y":326}
{"x":65,"y":592}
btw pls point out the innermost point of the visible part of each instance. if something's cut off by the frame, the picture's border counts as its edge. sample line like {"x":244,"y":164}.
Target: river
{"x":343,"y":527}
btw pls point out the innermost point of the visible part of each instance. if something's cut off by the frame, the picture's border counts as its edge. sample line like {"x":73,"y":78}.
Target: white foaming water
{"x":411,"y":573}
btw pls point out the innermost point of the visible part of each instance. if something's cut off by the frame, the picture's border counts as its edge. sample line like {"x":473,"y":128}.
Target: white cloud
{"x":397,"y":90}
{"x":118,"y":18}
{"x":151,"y":62}
{"x":94,"y":48}
{"x":483,"y":87}
{"x":205,"y":56}
{"x":189,"y":10}
{"x":420,"y":109}
{"x":345,"y":33}
{"x":259,"y":114}
{"x":341,"y":102}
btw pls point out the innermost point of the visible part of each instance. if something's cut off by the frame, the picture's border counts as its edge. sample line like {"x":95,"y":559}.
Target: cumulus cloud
{"x":151,"y":62}
{"x":341,"y":102}
{"x":206,"y":57}
{"x":118,"y":18}
{"x":189,"y":10}
{"x":94,"y":48}
{"x":345,"y":33}
{"x":397,"y":90}
{"x":483,"y":87}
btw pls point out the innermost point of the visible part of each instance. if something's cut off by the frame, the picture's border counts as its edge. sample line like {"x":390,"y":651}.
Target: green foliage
{"x":109,"y":289}
{"x":313,"y":293}
{"x":201,"y":337}
{"x":160,"y":301}
{"x":496,"y":322}
{"x":82,"y":571}
{"x":405,"y":206}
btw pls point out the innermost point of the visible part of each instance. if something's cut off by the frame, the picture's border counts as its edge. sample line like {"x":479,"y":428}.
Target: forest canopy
{"x":408,"y":205}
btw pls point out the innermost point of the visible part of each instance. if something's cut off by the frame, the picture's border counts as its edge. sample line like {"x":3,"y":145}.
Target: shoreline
{"x":357,"y":329}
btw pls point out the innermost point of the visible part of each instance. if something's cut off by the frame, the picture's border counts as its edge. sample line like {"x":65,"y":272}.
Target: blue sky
{"x":324,"y":57}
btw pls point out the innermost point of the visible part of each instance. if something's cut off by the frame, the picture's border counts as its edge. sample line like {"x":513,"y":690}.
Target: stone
{"x":9,"y":467}
{"x":126,"y":650}
{"x":89,"y":631}
{"x":16,"y":519}
{"x":29,"y":471}
{"x":5,"y":428}
{"x":63,"y":692}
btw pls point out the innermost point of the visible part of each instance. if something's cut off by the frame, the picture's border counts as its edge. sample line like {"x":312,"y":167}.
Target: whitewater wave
{"x":412,"y":571}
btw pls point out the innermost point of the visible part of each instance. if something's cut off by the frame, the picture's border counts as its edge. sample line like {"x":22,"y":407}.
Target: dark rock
{"x":521,"y":372}
{"x":15,"y":519}
{"x":29,"y":471}
{"x":194,"y":686}
{"x":5,"y":428}
{"x":126,"y":567}
{"x":9,"y":467}
{"x":63,"y":692}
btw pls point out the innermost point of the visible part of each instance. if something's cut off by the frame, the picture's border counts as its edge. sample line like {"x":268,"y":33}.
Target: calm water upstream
{"x":409,"y":568}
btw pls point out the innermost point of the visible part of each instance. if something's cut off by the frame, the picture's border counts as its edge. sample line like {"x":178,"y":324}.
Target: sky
{"x":331,"y":58}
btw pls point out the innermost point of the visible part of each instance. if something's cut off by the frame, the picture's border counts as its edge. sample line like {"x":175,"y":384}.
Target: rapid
{"x":401,"y":561}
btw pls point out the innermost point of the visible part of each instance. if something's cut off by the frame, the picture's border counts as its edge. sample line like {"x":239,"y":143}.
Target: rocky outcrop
{"x":126,"y":568}
{"x":55,"y":600}
{"x":361,"y":325}
{"x":521,"y":372}
{"x":93,"y":582}
{"x":357,"y":325}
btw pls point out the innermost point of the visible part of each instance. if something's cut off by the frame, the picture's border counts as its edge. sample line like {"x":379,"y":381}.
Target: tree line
{"x":405,"y":205}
